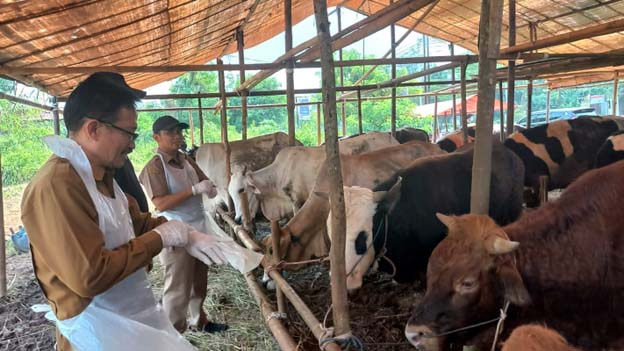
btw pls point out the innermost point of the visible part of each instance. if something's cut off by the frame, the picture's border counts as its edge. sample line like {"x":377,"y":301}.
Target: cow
{"x":397,"y":219}
{"x":407,"y":134}
{"x":285,"y":184}
{"x":252,"y":154}
{"x":561,"y":264}
{"x":455,"y":140}
{"x":304,"y":235}
{"x":534,"y":337}
{"x":611,"y":151}
{"x":561,"y":150}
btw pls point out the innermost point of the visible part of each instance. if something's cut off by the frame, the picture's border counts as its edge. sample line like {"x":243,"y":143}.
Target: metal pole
{"x":290,"y":84}
{"x":489,"y":46}
{"x":336,"y":195}
{"x":511,"y":69}
{"x":240,"y":43}
{"x":393,"y":56}
{"x":616,"y":80}
{"x":529,"y":102}
{"x":3,"y":282}
{"x":359,"y":109}
{"x":201,"y":121}
{"x":55,"y":116}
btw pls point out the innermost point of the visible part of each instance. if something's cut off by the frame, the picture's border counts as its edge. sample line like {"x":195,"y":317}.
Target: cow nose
{"x":421,"y":337}
{"x":238,"y":220}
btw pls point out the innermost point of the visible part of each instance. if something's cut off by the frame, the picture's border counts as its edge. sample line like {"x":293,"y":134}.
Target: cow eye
{"x":241,"y":190}
{"x":467,"y":285}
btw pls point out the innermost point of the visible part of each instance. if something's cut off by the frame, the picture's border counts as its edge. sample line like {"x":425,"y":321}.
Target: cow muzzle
{"x":422,"y":338}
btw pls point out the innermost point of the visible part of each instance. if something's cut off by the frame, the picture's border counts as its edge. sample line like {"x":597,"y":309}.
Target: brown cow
{"x":561,"y":264}
{"x":533,"y":337}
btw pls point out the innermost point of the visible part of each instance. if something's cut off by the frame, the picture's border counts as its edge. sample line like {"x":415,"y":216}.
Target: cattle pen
{"x":567,"y":45}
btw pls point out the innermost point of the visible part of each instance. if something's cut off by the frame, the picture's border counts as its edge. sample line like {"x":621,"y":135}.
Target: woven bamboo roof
{"x":69,"y":33}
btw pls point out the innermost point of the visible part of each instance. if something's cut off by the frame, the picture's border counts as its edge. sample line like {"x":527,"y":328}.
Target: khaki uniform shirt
{"x":69,"y":258}
{"x":153,"y":174}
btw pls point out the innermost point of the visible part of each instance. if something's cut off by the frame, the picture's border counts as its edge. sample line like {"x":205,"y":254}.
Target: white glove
{"x":205,"y":186}
{"x":173,"y":233}
{"x":205,"y":247}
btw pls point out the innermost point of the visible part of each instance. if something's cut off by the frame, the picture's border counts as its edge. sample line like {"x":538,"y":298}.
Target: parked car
{"x":539,"y":117}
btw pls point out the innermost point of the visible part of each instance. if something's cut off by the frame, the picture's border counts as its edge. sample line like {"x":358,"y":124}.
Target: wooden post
{"x":489,"y":45}
{"x":435,"y":118}
{"x":547,"y":104}
{"x":224,"y":133}
{"x":55,"y":116}
{"x":277,"y":256}
{"x":336,"y":195}
{"x":344,"y":118}
{"x":3,"y":282}
{"x":543,"y":189}
{"x":247,"y":220}
{"x":344,"y":101}
{"x":616,"y":80}
{"x":318,"y":124}
{"x":511,"y":69}
{"x":191,"y":129}
{"x":464,"y":112}
{"x":529,"y":101}
{"x":452,"y":46}
{"x":359,"y":109}
{"x":290,"y":84}
{"x":393,"y":72}
{"x":501,"y":127}
{"x":283,"y":338}
{"x":201,"y":121}
{"x":240,"y":44}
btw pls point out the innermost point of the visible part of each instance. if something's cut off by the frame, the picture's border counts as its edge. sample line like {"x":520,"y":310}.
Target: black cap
{"x":167,"y":123}
{"x":114,"y":80}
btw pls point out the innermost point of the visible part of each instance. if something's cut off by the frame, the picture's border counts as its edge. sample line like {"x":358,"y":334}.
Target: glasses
{"x":133,"y":136}
{"x":175,"y":131}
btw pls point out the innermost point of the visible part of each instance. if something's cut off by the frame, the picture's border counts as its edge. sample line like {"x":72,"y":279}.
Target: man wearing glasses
{"x":175,"y":184}
{"x":90,"y":242}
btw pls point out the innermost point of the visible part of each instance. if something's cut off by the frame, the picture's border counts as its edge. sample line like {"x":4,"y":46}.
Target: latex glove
{"x":205,"y":247}
{"x":173,"y":233}
{"x":205,"y":186}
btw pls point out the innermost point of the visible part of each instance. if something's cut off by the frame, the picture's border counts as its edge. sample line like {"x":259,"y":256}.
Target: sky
{"x":376,"y":44}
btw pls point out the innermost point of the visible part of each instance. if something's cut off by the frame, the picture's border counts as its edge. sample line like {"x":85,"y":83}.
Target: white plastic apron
{"x":190,"y":211}
{"x":126,"y":316}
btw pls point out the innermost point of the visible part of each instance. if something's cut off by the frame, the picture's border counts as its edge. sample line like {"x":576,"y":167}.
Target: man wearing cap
{"x":90,"y":243}
{"x":175,"y":184}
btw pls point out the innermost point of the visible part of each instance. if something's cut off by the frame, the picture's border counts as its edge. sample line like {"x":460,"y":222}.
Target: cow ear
{"x":388,"y":199}
{"x":513,"y":286}
{"x":322,"y":194}
{"x":448,"y":221}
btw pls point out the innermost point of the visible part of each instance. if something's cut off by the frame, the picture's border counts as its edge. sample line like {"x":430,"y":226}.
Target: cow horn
{"x":498,"y":246}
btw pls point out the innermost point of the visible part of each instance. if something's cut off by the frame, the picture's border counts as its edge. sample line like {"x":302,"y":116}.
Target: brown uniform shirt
{"x":153,"y":174}
{"x":69,"y":258}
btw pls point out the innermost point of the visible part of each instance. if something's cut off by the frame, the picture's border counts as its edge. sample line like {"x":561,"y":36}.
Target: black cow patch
{"x":447,"y":145}
{"x":360,"y":243}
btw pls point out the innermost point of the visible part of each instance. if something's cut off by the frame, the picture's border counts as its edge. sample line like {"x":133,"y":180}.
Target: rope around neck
{"x":499,"y":319}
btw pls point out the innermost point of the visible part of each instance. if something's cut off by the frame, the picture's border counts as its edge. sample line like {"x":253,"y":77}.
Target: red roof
{"x":471,"y":106}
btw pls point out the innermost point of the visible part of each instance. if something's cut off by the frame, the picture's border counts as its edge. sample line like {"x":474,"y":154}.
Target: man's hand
{"x":174,"y":233}
{"x":204,"y":247}
{"x":206,"y":187}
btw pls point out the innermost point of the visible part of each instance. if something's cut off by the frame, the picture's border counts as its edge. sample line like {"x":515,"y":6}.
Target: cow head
{"x":362,"y":205}
{"x":470,"y":274}
{"x":238,"y":185}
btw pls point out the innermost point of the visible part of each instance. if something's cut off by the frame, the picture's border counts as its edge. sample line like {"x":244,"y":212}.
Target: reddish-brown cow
{"x":533,"y":337}
{"x":561,"y":264}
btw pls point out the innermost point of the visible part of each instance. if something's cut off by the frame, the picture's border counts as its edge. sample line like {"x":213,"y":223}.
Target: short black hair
{"x":100,"y":96}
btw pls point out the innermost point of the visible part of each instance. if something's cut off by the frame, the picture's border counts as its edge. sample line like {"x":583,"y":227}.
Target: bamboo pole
{"x":276,"y":233}
{"x":435,"y":116}
{"x":191,"y":127}
{"x":280,"y":333}
{"x":201,"y":121}
{"x":238,"y":229}
{"x":452,"y":49}
{"x":511,"y":69}
{"x":489,"y":45}
{"x":359,"y":110}
{"x":393,"y":76}
{"x":571,"y":36}
{"x":240,"y":45}
{"x":3,"y":282}
{"x":543,"y":189}
{"x":290,"y":83}
{"x":343,"y":120}
{"x":343,"y":106}
{"x":500,"y":111}
{"x":338,"y":224}
{"x":318,"y":124}
{"x":547,"y":105}
{"x":224,"y":135}
{"x":464,"y":112}
{"x":616,"y":80}
{"x":529,"y":102}
{"x":55,"y":116}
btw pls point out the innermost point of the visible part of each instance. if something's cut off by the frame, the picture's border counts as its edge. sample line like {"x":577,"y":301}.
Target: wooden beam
{"x":276,"y":233}
{"x":489,"y":45}
{"x":240,"y":45}
{"x":454,"y":108}
{"x":464,"y":112}
{"x":585,"y":33}
{"x":55,"y":117}
{"x":336,"y":195}
{"x":616,"y":80}
{"x":393,"y":77}
{"x":3,"y":282}
{"x":192,"y":128}
{"x":501,"y":126}
{"x":290,"y":84}
{"x":318,"y":124}
{"x":359,"y":111}
{"x":511,"y":69}
{"x":25,"y":102}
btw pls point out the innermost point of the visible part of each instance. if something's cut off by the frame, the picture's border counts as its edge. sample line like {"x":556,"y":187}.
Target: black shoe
{"x":211,"y":327}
